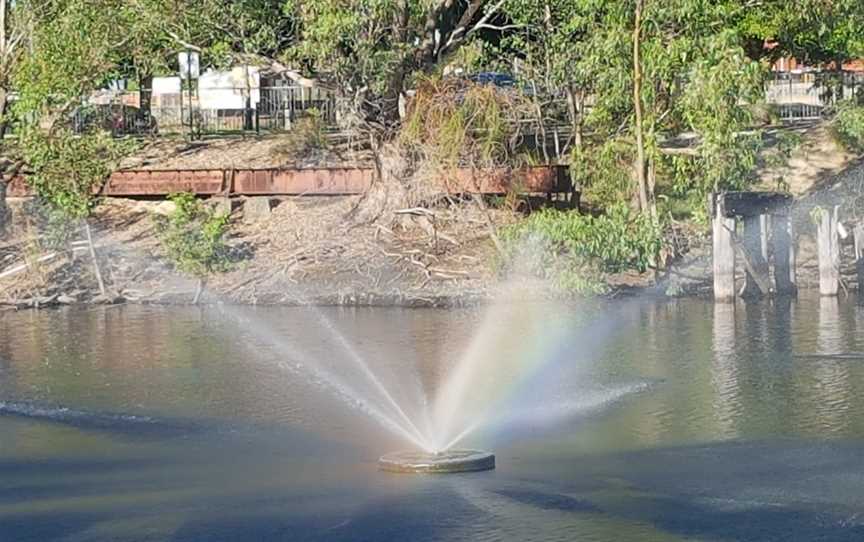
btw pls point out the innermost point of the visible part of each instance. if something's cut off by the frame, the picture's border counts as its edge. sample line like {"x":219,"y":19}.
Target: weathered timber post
{"x":858,"y":234}
{"x":829,"y":252}
{"x":755,"y":247}
{"x":724,"y":252}
{"x":760,"y":212}
{"x":785,"y":281}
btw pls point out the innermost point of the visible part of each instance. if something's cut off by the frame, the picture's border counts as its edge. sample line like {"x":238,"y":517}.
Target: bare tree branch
{"x":462,"y":31}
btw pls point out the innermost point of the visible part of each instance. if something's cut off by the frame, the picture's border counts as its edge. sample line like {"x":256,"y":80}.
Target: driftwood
{"x":20,"y":268}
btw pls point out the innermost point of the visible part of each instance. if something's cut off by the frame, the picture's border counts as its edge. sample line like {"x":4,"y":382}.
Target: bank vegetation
{"x":661,"y":103}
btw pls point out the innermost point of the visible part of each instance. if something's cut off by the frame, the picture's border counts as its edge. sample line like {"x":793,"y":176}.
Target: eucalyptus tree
{"x":374,"y":49}
{"x":374,"y":52}
{"x":646,"y":71}
{"x":75,"y":47}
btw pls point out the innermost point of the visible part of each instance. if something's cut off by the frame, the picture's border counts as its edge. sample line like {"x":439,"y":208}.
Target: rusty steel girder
{"x":311,"y":181}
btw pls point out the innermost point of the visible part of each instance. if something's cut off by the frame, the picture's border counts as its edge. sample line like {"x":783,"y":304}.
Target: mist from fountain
{"x":516,"y":341}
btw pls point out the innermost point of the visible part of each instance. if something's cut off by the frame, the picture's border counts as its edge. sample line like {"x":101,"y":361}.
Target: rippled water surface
{"x":650,"y":421}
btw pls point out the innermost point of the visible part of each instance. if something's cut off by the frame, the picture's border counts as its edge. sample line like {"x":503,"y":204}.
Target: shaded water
{"x":649,"y":421}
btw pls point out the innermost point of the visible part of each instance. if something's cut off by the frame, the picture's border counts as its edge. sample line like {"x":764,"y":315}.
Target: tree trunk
{"x":4,"y":213}
{"x":4,"y":92}
{"x":652,"y":182}
{"x":4,"y":105}
{"x":145,"y":111}
{"x":575,"y":107}
{"x":541,"y":125}
{"x":390,"y":189}
{"x":637,"y":107}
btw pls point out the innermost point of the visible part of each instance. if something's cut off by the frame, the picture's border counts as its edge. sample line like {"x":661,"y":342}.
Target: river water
{"x":677,"y":420}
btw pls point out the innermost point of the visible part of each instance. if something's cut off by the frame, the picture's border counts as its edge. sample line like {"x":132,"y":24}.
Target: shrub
{"x":68,"y":168}
{"x":576,"y":251}
{"x":307,"y":137}
{"x":452,"y":122}
{"x":193,"y":236}
{"x":848,"y":125}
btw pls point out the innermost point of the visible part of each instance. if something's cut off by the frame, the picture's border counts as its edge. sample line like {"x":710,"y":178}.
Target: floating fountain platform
{"x":443,"y":462}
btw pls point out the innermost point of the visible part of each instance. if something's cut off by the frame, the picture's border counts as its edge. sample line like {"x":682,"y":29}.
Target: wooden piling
{"x":785,"y":282}
{"x":829,"y":252}
{"x":724,"y":254}
{"x":755,"y":247}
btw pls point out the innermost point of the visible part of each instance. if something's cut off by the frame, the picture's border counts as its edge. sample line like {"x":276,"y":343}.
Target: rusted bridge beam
{"x":313,"y":181}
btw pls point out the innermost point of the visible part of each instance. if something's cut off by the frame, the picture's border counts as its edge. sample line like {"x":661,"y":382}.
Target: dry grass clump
{"x":452,"y":123}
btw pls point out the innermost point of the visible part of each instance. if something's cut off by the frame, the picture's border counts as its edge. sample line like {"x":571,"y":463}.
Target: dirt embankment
{"x":247,"y":153}
{"x":305,"y":251}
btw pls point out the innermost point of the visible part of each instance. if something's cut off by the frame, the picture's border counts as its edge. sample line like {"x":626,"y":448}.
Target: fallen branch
{"x":24,"y":266}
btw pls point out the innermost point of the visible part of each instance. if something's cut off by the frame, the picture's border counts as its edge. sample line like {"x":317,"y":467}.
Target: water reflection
{"x":750,"y":421}
{"x":724,"y":375}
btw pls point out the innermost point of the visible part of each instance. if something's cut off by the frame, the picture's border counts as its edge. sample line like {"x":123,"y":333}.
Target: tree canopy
{"x":635,"y":74}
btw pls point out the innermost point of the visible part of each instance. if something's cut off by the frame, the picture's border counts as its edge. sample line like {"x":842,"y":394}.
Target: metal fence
{"x":808,"y":95}
{"x":210,"y":111}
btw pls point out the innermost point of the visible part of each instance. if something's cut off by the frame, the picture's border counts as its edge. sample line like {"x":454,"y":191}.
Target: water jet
{"x":449,"y":461}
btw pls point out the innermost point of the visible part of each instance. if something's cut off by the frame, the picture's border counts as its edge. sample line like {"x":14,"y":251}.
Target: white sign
{"x":189,"y":64}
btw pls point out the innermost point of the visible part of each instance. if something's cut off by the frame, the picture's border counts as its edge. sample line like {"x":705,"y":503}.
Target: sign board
{"x":189,"y":62}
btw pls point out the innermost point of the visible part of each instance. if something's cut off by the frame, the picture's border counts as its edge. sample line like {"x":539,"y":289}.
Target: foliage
{"x":848,"y":124}
{"x":777,"y":159}
{"x":67,"y":169}
{"x":56,"y":229}
{"x":604,"y":171}
{"x":194,"y":236}
{"x":375,"y":50}
{"x":815,"y":32}
{"x":577,"y":250}
{"x":307,"y":136}
{"x":696,"y":77}
{"x":78,"y":45}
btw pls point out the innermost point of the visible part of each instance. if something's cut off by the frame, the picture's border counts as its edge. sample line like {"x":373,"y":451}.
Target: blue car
{"x":493,"y":78}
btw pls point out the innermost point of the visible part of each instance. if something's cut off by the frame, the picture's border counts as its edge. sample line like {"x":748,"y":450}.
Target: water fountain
{"x":516,"y":341}
{"x":449,"y":461}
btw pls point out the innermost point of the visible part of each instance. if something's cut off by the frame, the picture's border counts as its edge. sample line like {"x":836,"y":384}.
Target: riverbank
{"x":303,"y":251}
{"x":308,"y":251}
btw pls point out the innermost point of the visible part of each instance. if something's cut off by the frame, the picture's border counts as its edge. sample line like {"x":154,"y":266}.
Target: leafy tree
{"x":374,"y":49}
{"x":194,"y":238}
{"x":651,"y":71}
{"x":67,"y":171}
{"x":74,"y":48}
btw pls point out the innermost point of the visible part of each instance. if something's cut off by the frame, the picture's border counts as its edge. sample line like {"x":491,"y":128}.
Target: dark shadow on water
{"x":766,"y":523}
{"x":57,"y":526}
{"x":548,"y":501}
{"x":138,"y":426}
{"x":415,"y":519}
{"x":291,"y":487}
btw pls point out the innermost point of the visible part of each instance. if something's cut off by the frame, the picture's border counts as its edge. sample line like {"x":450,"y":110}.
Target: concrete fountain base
{"x":444,"y":462}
